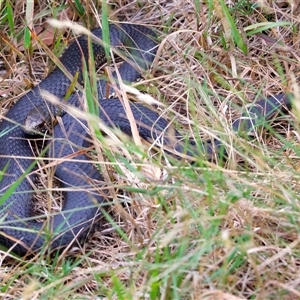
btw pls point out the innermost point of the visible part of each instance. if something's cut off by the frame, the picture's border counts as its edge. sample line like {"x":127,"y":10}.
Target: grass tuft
{"x":226,"y":230}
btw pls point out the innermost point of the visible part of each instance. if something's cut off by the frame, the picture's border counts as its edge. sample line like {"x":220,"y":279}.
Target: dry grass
{"x":206,"y":232}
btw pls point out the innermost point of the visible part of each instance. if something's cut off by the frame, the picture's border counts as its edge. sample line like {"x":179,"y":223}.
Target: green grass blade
{"x":105,"y":30}
{"x":263,"y":26}
{"x":237,"y":37}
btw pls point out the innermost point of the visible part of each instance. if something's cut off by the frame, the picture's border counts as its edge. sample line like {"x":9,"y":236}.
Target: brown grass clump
{"x":209,"y":231}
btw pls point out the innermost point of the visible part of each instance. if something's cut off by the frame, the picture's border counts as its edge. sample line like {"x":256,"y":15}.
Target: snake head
{"x":37,"y":121}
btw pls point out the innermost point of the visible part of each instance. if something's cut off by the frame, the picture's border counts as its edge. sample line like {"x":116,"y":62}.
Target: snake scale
{"x":19,"y":229}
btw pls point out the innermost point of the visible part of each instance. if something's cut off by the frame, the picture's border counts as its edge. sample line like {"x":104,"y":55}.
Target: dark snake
{"x":19,"y":229}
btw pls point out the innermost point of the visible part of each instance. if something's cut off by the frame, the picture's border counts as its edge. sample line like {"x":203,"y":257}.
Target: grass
{"x":201,"y":231}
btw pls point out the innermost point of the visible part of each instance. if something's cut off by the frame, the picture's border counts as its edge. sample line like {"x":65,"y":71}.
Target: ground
{"x":201,"y":230}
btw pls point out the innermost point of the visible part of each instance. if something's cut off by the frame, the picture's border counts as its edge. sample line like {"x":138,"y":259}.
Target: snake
{"x":84,"y":189}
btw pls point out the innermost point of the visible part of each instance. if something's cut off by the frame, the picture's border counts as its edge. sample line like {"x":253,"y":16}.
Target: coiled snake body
{"x":18,"y":228}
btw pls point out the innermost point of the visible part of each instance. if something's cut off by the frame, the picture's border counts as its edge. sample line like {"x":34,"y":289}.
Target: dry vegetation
{"x":206,"y":232}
